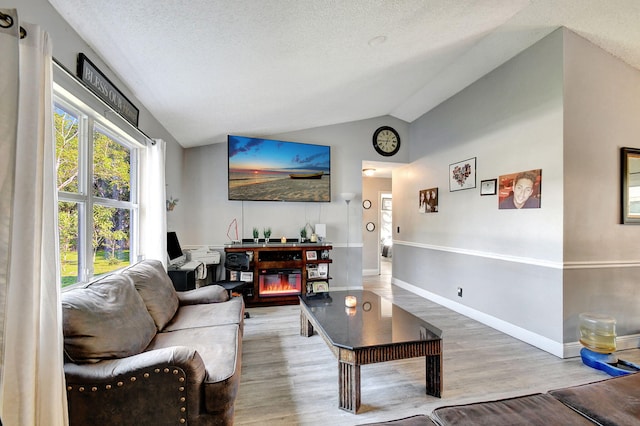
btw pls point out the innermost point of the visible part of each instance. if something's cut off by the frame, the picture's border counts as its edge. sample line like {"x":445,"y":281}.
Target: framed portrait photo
{"x":489,"y":187}
{"x":462,"y":175}
{"x":312,"y":255}
{"x":522,"y":190}
{"x":428,"y":200}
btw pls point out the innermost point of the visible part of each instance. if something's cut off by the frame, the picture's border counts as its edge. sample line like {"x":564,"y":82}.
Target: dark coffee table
{"x":375,"y":330}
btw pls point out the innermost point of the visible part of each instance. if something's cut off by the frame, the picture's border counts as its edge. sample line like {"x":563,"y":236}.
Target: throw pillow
{"x":105,"y":319}
{"x":156,"y":289}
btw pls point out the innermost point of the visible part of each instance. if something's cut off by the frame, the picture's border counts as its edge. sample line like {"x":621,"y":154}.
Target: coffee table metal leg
{"x":306,"y":328}
{"x":434,"y":374}
{"x":348,"y":382}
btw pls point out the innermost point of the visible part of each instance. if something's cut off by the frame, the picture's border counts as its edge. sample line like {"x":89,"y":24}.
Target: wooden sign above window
{"x":105,"y":90}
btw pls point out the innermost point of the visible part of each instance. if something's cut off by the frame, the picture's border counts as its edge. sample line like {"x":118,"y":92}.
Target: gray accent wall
{"x":601,"y":256}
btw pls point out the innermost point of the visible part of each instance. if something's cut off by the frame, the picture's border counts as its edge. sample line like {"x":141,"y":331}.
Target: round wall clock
{"x":366,"y":204}
{"x":371,"y":226}
{"x":386,"y":141}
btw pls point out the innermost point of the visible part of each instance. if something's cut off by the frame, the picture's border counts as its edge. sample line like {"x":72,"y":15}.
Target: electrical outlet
{"x":459,"y":291}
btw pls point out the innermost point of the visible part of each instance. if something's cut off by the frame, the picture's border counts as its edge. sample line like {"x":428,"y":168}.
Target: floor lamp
{"x":347,"y":197}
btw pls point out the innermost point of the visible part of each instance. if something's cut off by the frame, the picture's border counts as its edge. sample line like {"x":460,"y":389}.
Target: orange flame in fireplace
{"x":279,"y":285}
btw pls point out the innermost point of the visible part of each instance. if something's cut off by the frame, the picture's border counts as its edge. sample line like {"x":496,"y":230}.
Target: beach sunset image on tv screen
{"x":272,"y":170}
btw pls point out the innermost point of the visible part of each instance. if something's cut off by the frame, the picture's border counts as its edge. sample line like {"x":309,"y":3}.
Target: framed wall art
{"x":462,"y":175}
{"x":630,"y":185}
{"x":387,"y":203}
{"x":489,"y":187}
{"x":522,"y":190}
{"x":428,"y":200}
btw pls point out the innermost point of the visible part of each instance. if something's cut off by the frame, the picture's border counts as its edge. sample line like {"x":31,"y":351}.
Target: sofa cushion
{"x":609,"y":402}
{"x":531,"y":410}
{"x":418,"y":420}
{"x":207,"y":294}
{"x":155,"y":287}
{"x":105,"y":319}
{"x":206,"y":315}
{"x":220,"y":348}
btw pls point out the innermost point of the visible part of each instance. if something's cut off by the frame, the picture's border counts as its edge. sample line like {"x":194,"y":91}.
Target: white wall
{"x":204,"y":194}
{"x":508,"y":262}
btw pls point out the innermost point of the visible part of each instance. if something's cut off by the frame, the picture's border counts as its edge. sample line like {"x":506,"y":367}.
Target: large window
{"x":96,"y":181}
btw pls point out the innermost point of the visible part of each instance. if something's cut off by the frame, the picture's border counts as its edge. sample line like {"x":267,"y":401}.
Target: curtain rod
{"x":84,"y":86}
{"x":8,"y":23}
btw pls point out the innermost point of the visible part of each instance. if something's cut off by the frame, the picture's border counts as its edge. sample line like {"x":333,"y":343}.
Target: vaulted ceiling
{"x":208,"y":68}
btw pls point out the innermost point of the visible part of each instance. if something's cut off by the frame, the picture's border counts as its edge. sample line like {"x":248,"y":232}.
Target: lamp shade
{"x":347,"y":196}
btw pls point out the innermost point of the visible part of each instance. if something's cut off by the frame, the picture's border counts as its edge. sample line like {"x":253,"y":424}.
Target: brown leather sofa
{"x":139,"y":353}
{"x":614,"y":401}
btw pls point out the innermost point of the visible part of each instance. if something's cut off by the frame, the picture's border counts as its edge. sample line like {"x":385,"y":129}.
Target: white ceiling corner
{"x":260,"y":67}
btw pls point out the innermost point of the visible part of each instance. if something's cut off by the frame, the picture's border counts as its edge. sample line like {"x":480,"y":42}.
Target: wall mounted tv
{"x":273,"y":170}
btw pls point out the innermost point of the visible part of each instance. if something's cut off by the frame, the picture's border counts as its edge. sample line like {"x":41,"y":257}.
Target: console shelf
{"x":298,"y":265}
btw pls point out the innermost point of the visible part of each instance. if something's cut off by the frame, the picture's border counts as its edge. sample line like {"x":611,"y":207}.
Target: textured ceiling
{"x":208,"y":68}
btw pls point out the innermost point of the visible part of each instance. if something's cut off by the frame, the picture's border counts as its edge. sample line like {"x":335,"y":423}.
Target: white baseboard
{"x":544,"y":343}
{"x":566,"y":350}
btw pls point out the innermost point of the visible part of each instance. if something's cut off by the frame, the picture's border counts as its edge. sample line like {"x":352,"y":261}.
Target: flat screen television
{"x":273,"y":170}
{"x":174,"y":251}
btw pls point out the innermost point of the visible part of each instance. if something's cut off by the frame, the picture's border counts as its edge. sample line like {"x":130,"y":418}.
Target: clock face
{"x":386,"y":141}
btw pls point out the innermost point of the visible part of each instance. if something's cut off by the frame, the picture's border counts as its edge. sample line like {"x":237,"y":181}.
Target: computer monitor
{"x":174,"y":251}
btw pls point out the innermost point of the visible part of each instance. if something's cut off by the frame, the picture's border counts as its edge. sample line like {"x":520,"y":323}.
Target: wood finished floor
{"x":288,"y":379}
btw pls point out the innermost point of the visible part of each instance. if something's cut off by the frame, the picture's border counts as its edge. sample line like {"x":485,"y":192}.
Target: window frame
{"x":90,"y":120}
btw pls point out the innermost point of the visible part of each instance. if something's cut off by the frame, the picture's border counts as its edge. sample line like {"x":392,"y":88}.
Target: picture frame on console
{"x":320,"y":287}
{"x":312,"y":255}
{"x":323,"y":270}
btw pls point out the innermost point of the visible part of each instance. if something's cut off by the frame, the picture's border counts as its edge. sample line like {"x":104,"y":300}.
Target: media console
{"x":280,"y":272}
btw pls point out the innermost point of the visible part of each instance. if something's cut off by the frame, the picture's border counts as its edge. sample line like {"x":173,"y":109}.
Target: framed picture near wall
{"x":387,"y":203}
{"x":522,"y":190}
{"x":462,"y":175}
{"x":488,"y":187}
{"x":428,"y":200}
{"x":630,"y":184}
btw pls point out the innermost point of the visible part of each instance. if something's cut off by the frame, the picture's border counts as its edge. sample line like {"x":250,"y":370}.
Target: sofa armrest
{"x":154,"y":387}
{"x":208,"y":294}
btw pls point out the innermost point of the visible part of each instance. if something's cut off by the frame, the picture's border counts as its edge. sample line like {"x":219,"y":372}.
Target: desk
{"x":185,"y":279}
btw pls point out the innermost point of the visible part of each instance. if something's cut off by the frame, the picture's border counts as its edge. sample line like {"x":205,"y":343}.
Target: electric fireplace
{"x":279,"y":282}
